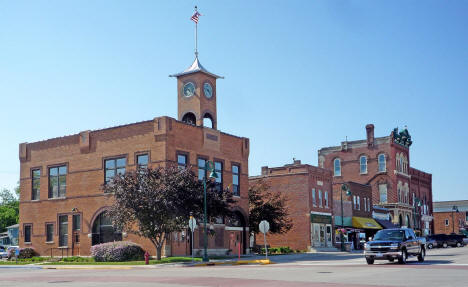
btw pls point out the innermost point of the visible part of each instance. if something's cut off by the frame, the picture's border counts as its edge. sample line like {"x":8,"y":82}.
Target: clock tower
{"x":196,"y":95}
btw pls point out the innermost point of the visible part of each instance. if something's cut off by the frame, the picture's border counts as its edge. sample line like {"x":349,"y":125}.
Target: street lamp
{"x":454,"y":209}
{"x":209,"y":166}
{"x":344,"y":188}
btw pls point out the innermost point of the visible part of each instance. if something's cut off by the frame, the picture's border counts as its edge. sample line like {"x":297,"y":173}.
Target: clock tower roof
{"x":194,"y":68}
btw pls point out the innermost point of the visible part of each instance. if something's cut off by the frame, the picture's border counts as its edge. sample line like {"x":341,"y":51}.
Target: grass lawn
{"x":90,"y":261}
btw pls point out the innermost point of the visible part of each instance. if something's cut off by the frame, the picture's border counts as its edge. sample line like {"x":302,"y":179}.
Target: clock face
{"x":189,"y":89}
{"x":208,"y":90}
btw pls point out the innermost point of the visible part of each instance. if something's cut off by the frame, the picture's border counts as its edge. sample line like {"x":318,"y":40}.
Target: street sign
{"x":264,"y":226}
{"x":192,"y":223}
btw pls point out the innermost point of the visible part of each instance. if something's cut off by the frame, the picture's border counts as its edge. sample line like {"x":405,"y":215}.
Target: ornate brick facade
{"x":83,"y":158}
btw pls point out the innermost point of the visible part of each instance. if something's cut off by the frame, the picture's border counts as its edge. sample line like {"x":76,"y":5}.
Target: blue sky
{"x":299,"y":75}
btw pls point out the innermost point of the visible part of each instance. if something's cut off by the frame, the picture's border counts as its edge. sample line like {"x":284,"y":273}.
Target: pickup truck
{"x":396,"y":243}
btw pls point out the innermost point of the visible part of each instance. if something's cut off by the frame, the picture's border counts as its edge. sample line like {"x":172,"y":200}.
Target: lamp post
{"x":344,"y":188}
{"x":454,"y":209}
{"x":209,"y":166}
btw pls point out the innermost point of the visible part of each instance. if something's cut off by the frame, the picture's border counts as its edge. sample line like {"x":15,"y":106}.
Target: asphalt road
{"x":443,"y":267}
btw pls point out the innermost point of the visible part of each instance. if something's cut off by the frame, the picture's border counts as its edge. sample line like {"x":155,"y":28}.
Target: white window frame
{"x":447,"y":222}
{"x":326,"y":198}
{"x":314,"y":202}
{"x":337,"y":172}
{"x":362,"y":165}
{"x":381,"y":162}
{"x":320,"y":198}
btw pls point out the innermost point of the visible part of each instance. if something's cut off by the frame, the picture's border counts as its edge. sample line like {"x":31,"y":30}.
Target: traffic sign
{"x":264,"y":226}
{"x":192,"y":223}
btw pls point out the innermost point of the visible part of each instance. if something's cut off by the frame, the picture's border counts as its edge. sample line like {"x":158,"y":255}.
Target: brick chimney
{"x":370,"y":134}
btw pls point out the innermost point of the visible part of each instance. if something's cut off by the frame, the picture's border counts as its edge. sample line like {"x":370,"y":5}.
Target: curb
{"x":87,"y":267}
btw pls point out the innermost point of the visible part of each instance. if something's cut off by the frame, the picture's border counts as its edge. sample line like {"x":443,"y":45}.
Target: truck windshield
{"x":389,"y":235}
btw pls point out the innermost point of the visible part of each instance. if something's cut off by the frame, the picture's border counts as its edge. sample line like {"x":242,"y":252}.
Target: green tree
{"x":265,"y":204}
{"x":9,"y":209}
{"x":153,"y":203}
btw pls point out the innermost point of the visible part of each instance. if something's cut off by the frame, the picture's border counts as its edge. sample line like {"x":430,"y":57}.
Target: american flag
{"x":195,"y":16}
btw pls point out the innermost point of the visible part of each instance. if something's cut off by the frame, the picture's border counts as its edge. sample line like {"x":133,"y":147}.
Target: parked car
{"x":444,"y":240}
{"x":3,"y":252}
{"x":431,"y":242}
{"x":395,"y":243}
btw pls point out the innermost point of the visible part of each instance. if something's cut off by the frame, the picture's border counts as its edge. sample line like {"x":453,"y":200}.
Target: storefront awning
{"x":386,"y":224}
{"x":347,"y":222}
{"x":464,"y":231}
{"x":365,"y":223}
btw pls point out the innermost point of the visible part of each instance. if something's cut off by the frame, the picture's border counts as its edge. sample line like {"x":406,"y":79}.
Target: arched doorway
{"x":238,"y":220}
{"x":400,"y":220}
{"x":103,"y":231}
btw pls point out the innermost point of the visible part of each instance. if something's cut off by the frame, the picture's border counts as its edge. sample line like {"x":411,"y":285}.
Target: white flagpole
{"x":196,"y":35}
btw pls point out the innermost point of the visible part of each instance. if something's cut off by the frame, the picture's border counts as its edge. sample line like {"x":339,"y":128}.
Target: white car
{"x":3,"y":253}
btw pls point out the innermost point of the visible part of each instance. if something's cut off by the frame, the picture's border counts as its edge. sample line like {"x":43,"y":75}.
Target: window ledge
{"x":63,"y":247}
{"x":29,"y":243}
{"x":56,"y":198}
{"x":35,"y":200}
{"x":49,"y":242}
{"x":363,"y":173}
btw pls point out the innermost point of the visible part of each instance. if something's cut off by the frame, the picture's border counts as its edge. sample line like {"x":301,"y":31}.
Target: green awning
{"x":347,"y":221}
{"x":464,"y":231}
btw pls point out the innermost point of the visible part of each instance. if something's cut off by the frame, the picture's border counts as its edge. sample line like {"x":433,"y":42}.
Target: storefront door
{"x":315,"y":235}
{"x":329,"y":240}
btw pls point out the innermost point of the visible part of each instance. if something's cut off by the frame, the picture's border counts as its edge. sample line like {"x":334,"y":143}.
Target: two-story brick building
{"x":451,"y":217}
{"x":62,"y":203}
{"x":308,"y":189}
{"x":384,"y":164}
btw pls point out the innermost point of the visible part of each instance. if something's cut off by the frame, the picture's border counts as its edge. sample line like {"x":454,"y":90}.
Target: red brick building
{"x":62,"y":203}
{"x":451,"y":217}
{"x":384,"y":164}
{"x":310,"y":203}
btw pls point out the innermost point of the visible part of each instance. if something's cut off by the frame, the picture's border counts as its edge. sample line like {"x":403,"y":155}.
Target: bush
{"x":24,"y":253}
{"x":117,"y":251}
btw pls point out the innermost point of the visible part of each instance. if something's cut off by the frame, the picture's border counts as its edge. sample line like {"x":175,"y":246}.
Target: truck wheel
{"x":458,"y":244}
{"x":430,"y":246}
{"x":445,"y":245}
{"x":403,"y":257}
{"x":422,"y":255}
{"x":370,"y":260}
{"x":391,"y":260}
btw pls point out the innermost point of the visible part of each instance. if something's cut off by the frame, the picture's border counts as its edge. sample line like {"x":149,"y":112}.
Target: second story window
{"x":201,"y":168}
{"x":181,"y":161}
{"x":363,"y":164}
{"x":36,"y":184}
{"x":383,"y":193}
{"x":358,"y":203}
{"x":326,"y":198}
{"x":57,"y":181}
{"x":320,"y":198}
{"x":337,"y":167}
{"x":142,"y":161}
{"x":235,"y":180}
{"x":382,"y":163}
{"x":314,"y":203}
{"x":365,"y":203}
{"x":114,"y":167}
{"x":219,"y":171}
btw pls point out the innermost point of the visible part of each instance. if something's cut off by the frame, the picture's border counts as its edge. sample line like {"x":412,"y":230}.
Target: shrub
{"x":117,"y":251}
{"x":77,"y":259}
{"x":24,"y":253}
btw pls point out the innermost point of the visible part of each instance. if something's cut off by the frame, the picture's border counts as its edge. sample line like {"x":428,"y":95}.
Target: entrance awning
{"x":365,"y":223}
{"x":347,"y":222}
{"x":386,"y":224}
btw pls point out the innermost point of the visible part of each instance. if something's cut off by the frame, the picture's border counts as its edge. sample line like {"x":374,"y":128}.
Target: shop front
{"x":321,"y":229}
{"x":364,"y":228}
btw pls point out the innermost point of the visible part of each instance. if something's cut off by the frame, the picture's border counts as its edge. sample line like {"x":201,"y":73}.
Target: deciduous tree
{"x":153,"y":203}
{"x":265,"y":204}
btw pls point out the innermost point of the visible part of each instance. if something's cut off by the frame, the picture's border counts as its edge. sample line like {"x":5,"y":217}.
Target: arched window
{"x":382,"y":163}
{"x":337,"y":167}
{"x":190,"y":119}
{"x":397,"y":159}
{"x":400,"y":220}
{"x":104,"y":231}
{"x":363,"y":164}
{"x":208,"y":121}
{"x":408,"y":223}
